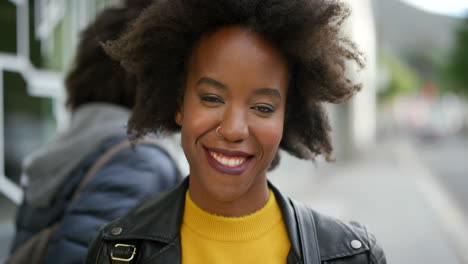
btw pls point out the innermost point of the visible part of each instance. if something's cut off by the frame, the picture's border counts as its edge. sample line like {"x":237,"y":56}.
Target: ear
{"x":179,"y":116}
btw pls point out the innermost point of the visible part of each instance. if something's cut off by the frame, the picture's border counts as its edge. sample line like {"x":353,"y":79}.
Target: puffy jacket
{"x":152,"y":232}
{"x":124,"y":181}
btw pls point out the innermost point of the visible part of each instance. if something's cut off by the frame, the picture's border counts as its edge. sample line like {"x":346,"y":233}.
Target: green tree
{"x":403,"y":79}
{"x":457,"y":69}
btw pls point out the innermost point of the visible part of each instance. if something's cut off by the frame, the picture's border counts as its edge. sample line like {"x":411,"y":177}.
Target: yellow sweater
{"x":260,"y":237}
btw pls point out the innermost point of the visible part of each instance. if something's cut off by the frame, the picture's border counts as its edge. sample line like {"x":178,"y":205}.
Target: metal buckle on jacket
{"x":123,"y":258}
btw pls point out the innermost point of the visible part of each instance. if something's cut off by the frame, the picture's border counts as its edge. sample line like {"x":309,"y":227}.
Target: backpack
{"x":32,"y":251}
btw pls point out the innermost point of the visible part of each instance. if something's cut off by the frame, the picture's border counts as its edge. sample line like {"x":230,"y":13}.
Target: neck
{"x":230,"y":204}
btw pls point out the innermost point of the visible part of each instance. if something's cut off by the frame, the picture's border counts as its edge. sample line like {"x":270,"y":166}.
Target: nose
{"x":234,"y":125}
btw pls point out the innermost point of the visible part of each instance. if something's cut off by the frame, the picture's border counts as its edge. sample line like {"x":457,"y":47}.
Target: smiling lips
{"x":228,"y":162}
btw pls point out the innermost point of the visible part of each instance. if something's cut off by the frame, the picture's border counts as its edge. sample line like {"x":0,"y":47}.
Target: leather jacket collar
{"x":158,"y":221}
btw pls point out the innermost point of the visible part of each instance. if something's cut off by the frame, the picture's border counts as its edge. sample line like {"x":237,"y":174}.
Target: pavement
{"x":388,"y":188}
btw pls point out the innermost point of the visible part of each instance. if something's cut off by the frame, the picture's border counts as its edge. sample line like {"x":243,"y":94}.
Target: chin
{"x":224,"y":192}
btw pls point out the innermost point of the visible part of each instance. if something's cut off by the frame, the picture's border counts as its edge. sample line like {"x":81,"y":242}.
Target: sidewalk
{"x":390,"y":191}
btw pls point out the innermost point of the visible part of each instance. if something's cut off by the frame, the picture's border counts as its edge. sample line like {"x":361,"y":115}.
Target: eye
{"x":264,"y":109}
{"x":211,"y":98}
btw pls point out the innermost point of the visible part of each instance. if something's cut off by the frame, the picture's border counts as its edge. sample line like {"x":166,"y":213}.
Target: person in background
{"x":240,"y":79}
{"x":100,"y":96}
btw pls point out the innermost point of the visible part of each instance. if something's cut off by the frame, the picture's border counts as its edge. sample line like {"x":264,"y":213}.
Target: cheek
{"x":269,"y":136}
{"x":197,"y":120}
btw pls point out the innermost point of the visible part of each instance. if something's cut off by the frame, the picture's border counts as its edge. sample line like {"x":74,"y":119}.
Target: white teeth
{"x":232,"y":162}
{"x":227,"y":161}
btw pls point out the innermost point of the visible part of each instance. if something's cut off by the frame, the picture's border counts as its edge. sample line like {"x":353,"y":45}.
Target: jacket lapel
{"x":170,"y":253}
{"x":158,"y":220}
{"x":289,"y":219}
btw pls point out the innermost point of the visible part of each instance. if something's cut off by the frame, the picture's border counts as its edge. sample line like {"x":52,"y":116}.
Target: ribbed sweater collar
{"x":231,"y":229}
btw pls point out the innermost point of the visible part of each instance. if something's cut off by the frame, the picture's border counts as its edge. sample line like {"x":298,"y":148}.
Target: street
{"x":447,"y":158}
{"x":392,"y":191}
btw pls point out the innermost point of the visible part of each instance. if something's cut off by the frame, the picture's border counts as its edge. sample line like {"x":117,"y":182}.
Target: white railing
{"x":48,"y":16}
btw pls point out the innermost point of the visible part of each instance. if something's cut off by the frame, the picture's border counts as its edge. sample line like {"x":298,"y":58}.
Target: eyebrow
{"x":213,"y":82}
{"x":268,"y":91}
{"x":218,"y":84}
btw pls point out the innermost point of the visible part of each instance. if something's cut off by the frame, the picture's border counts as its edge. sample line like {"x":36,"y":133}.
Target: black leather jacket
{"x":152,"y":230}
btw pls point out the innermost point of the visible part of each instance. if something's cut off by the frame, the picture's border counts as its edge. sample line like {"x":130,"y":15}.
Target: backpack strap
{"x":307,"y":233}
{"x":32,"y":251}
{"x":108,"y":155}
{"x":97,"y":165}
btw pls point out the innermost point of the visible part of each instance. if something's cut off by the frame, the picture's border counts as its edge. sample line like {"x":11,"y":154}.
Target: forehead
{"x":236,"y":53}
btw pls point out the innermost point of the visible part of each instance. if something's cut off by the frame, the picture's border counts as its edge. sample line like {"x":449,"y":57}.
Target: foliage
{"x":457,"y":68}
{"x":402,"y":78}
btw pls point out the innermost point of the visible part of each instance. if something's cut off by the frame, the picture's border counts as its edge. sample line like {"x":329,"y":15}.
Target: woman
{"x":240,"y":79}
{"x":100,"y":97}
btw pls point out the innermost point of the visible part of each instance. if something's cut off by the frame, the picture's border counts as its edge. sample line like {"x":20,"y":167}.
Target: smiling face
{"x":236,"y":80}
